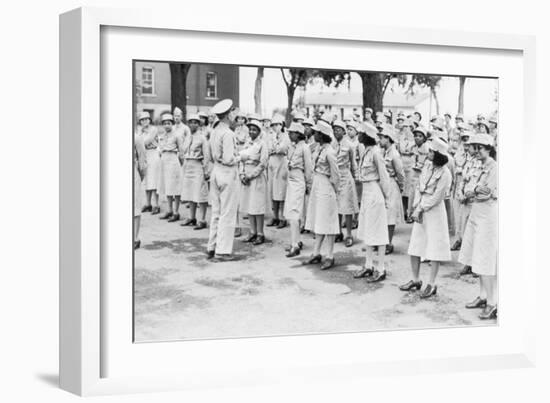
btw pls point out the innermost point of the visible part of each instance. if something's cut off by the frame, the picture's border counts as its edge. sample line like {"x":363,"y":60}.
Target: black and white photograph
{"x":273,"y":201}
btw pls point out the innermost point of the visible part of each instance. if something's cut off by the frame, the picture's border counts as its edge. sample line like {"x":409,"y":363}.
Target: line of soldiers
{"x":323,"y":175}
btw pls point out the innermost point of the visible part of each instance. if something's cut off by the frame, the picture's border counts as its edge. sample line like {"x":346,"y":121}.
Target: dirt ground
{"x":178,"y":294}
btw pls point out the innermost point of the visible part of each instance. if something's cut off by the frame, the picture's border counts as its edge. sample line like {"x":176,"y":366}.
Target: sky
{"x":479,"y":93}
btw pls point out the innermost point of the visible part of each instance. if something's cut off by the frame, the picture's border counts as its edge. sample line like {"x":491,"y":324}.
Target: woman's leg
{"x":349,"y":224}
{"x":330,"y":246}
{"x":148,"y":194}
{"x":260,"y":224}
{"x":177,"y":204}
{"x":281,"y":209}
{"x":202,"y":211}
{"x":391,"y":229}
{"x":490,"y":286}
{"x":318,"y":242}
{"x":155,"y":198}
{"x":369,"y":263}
{"x":192,"y":210}
{"x":294,"y":232}
{"x":275,"y":210}
{"x":415,"y":267}
{"x":483,"y":287}
{"x":137,"y":222}
{"x":252,"y":224}
{"x":381,"y":258}
{"x":433,"y":272}
{"x":170,"y":199}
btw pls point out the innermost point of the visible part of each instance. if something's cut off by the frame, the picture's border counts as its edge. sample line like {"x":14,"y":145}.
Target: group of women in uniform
{"x":322,"y":176}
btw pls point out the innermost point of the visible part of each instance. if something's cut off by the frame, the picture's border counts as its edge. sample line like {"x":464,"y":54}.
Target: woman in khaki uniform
{"x":405,"y":146}
{"x":195,"y":174}
{"x":140,"y":167}
{"x":299,"y":183}
{"x":420,"y":154}
{"x":322,"y":208}
{"x":149,"y":134}
{"x":480,"y":242}
{"x":253,"y":176}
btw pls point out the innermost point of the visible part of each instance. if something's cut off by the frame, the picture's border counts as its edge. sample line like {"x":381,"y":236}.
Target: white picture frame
{"x":83,"y":309}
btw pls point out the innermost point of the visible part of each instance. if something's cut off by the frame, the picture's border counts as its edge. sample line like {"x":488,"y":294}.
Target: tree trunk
{"x":462,"y":81}
{"x":258,"y":90}
{"x":178,"y":86}
{"x":290,"y":94}
{"x":434,"y":93}
{"x":372,"y":91}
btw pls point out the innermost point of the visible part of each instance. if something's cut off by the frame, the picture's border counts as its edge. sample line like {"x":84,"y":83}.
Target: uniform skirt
{"x":430,"y":239}
{"x":253,"y":197}
{"x":295,"y":195}
{"x":480,"y":241}
{"x":194,"y":187}
{"x":322,"y":207}
{"x":150,"y":182}
{"x":395,"y":207}
{"x":408,"y":162}
{"x":347,"y":194}
{"x":170,"y":174}
{"x":373,"y":222}
{"x":277,"y":177}
{"x":138,"y":192}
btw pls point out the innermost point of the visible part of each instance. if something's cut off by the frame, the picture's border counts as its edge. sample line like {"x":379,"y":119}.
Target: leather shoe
{"x":260,"y":239}
{"x":210,"y":254}
{"x":273,"y":223}
{"x":313,"y":259}
{"x":456,"y":245}
{"x":282,"y":224}
{"x":377,"y":276}
{"x":465,"y":271}
{"x":477,"y":303}
{"x":238,"y":232}
{"x":156,"y":210}
{"x":200,"y":225}
{"x":339,"y":237}
{"x":294,"y":251}
{"x":327,"y":264}
{"x":349,"y":242}
{"x":166,"y":216}
{"x":364,"y":272}
{"x":389,"y":249}
{"x":429,"y":291}
{"x":489,"y":312}
{"x":145,"y":209}
{"x":410,"y":285}
{"x":137,"y":244}
{"x":250,"y":238}
{"x":189,"y":221}
{"x":175,"y":217}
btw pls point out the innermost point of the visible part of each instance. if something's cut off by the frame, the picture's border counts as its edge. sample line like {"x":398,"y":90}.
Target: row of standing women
{"x":318,"y":174}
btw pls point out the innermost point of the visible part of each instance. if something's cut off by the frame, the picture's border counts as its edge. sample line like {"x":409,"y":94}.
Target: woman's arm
{"x":333,"y":166}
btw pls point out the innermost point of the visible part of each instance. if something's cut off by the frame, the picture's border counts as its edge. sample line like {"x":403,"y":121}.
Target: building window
{"x":147,"y":80}
{"x":211,"y":85}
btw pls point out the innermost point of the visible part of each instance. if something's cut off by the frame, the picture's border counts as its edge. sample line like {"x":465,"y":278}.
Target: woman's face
{"x":253,"y":132}
{"x":293,"y":136}
{"x":167,"y":124}
{"x":418,"y":138}
{"x":482,"y":152}
{"x":204,"y":121}
{"x":193,"y":125}
{"x":144,"y":122}
{"x":177,"y":117}
{"x":277,"y":127}
{"x":308,"y":130}
{"x":339,"y":133}
{"x":482,"y":128}
{"x":384,"y":141}
{"x":318,"y":136}
{"x":240,"y":120}
{"x":352,"y":132}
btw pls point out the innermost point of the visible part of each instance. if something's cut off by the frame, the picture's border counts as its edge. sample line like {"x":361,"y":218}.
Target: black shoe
{"x":477,"y":303}
{"x":355,"y":224}
{"x":313,"y":259}
{"x":389,"y":249}
{"x":200,"y":225}
{"x":273,"y":223}
{"x":327,"y":264}
{"x":260,"y":239}
{"x":465,"y":271}
{"x":339,"y":238}
{"x":210,"y":254}
{"x":145,"y":209}
{"x":189,"y":221}
{"x":377,"y":276}
{"x":489,"y":312}
{"x":294,"y":251}
{"x":166,"y":216}
{"x":238,"y":232}
{"x":302,"y":230}
{"x":156,"y":210}
{"x":410,"y":285}
{"x":137,"y":244}
{"x":456,"y":245}
{"x":250,"y":238}
{"x":282,"y":224}
{"x":289,"y":247}
{"x":175,"y":217}
{"x":429,"y":291}
{"x":364,"y":272}
{"x":349,"y":242}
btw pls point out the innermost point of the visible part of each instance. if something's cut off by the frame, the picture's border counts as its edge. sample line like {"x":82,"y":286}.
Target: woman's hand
{"x":469,"y":194}
{"x":415,"y":216}
{"x":483,"y":190}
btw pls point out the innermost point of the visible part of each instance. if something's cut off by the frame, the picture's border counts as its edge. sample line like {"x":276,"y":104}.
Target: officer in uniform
{"x":223,"y":184}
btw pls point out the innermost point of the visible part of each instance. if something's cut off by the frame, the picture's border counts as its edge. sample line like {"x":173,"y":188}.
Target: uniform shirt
{"x":182,"y":129}
{"x":205,"y":131}
{"x":222,"y":145}
{"x":433,"y":185}
{"x":195,"y":147}
{"x":345,"y":155}
{"x":278,"y":144}
{"x":325,"y":164}
{"x":486,"y":176}
{"x":406,"y":143}
{"x":394,"y":165}
{"x":300,"y":158}
{"x":372,"y":168}
{"x":313,"y":148}
{"x":170,"y":142}
{"x":150,"y":137}
{"x":255,"y":154}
